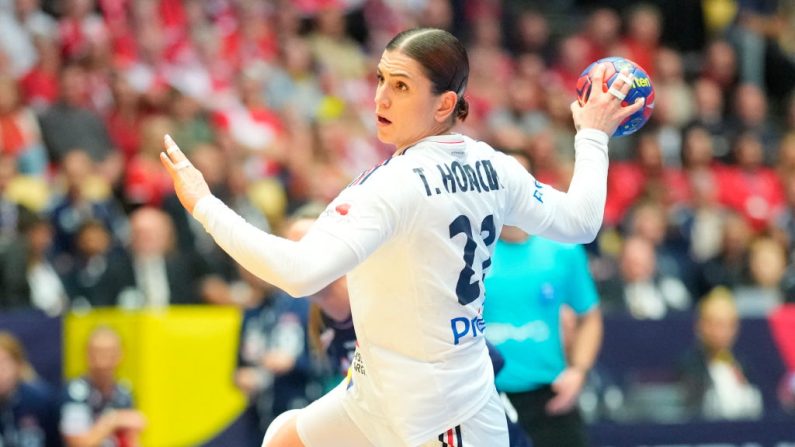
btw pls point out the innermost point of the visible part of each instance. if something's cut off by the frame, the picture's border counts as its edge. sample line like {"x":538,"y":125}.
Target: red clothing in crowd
{"x":39,"y":87}
{"x":628,"y":181}
{"x":755,"y":194}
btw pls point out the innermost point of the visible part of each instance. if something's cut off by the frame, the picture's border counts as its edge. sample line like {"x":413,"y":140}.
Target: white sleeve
{"x":574,"y":216}
{"x":352,"y":227}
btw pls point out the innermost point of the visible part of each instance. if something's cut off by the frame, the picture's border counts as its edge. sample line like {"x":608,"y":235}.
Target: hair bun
{"x":462,"y":109}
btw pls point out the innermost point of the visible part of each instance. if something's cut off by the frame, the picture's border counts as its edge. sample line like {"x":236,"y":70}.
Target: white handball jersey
{"x":420,"y":230}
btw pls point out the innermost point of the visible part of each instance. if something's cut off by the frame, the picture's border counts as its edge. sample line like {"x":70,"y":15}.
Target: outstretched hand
{"x":189,"y":182}
{"x":603,"y":110}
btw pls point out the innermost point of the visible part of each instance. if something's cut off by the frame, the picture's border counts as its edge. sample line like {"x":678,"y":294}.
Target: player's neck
{"x":439,"y":132}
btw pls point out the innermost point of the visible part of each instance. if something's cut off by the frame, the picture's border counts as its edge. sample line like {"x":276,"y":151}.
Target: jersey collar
{"x":451,"y":141}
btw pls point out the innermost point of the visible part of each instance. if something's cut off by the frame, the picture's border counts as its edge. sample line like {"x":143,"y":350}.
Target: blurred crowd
{"x":272,"y":101}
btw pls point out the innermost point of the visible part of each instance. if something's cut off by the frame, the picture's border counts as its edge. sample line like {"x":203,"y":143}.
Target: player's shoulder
{"x":388,"y":178}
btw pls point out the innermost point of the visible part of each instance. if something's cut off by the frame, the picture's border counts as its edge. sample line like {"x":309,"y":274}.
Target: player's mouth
{"x":383,"y":121}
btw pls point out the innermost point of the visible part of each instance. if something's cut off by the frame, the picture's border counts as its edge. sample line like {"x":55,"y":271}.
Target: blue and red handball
{"x":641,"y":88}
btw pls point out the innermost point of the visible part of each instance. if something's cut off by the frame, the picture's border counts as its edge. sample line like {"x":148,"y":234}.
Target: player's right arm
{"x":353,"y":226}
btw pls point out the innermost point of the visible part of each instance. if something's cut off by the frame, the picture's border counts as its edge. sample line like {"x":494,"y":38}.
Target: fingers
{"x":631,"y":109}
{"x":598,"y":76}
{"x":173,"y":158}
{"x":623,"y":82}
{"x":173,"y":151}
{"x":168,"y":164}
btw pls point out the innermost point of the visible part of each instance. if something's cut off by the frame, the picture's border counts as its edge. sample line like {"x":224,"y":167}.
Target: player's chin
{"x":385,"y":136}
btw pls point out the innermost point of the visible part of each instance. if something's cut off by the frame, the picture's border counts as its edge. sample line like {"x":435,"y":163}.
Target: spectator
{"x":699,"y":223}
{"x":293,"y":85}
{"x":339,"y":55}
{"x":144,"y":183}
{"x":86,"y":278}
{"x":81,"y":28}
{"x":640,"y":290}
{"x":15,"y":45}
{"x":124,"y":118}
{"x":645,"y":177}
{"x":249,"y":130}
{"x":767,"y":261}
{"x":603,"y":33}
{"x":28,"y":278}
{"x":644,"y":28}
{"x":151,"y":273}
{"x":98,"y":410}
{"x":709,"y":113}
{"x":35,"y":21}
{"x":29,"y":412}
{"x":750,"y":187}
{"x":20,"y":135}
{"x":750,"y":116}
{"x":190,"y":121}
{"x":69,"y":124}
{"x":533,"y":35}
{"x":730,"y":266}
{"x":714,"y":378}
{"x":40,"y":84}
{"x":84,"y":195}
{"x":720,"y":66}
{"x":673,"y":93}
{"x":523,"y":114}
{"x":649,"y":221}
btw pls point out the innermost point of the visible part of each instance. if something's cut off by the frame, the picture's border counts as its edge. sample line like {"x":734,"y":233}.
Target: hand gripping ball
{"x":641,"y":88}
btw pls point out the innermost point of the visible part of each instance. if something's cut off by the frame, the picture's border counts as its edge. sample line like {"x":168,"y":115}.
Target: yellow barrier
{"x":180,"y":363}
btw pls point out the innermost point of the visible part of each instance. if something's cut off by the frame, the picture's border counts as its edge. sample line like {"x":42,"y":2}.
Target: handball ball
{"x":641,"y":88}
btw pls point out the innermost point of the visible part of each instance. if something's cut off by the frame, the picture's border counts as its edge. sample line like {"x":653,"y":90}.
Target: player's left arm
{"x":574,"y":216}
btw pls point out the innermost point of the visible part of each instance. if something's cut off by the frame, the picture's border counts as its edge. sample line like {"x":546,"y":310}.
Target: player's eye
{"x":400,"y":85}
{"x":379,"y":77}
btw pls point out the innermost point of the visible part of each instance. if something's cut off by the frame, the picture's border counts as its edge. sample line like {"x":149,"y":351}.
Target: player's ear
{"x":445,"y":106}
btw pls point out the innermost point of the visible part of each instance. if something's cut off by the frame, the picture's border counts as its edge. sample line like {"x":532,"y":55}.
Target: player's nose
{"x":382,"y":99}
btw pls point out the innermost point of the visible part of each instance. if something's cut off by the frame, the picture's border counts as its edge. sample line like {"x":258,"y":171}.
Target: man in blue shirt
{"x":531,"y":279}
{"x":97,"y":409}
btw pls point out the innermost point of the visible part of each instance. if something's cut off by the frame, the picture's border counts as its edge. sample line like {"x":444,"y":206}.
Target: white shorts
{"x":325,"y":423}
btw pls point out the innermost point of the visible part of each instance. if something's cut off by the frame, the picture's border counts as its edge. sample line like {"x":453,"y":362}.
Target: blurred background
{"x":272,"y":100}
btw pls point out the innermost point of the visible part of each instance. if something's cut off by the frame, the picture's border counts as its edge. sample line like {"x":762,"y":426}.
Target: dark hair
{"x":443,"y":59}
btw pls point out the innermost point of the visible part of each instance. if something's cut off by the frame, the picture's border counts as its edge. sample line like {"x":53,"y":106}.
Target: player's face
{"x":404,"y":103}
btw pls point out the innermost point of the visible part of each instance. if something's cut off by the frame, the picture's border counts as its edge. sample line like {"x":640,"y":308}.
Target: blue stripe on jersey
{"x":366,"y":174}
